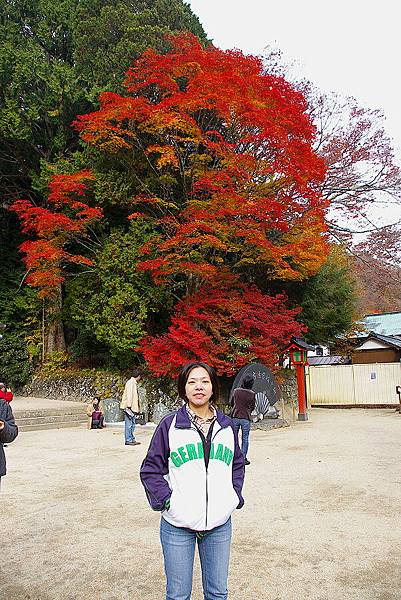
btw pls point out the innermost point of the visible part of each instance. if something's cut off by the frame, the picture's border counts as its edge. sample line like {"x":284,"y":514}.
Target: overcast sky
{"x":349,"y":46}
{"x":352,"y":47}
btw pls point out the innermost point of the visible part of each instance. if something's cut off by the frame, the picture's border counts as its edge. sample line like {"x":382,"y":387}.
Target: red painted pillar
{"x":302,"y":412}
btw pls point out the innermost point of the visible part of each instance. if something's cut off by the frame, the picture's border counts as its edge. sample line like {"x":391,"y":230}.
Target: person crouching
{"x":95,"y":415}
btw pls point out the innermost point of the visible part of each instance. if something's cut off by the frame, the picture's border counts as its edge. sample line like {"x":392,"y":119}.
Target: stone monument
{"x":266,"y":389}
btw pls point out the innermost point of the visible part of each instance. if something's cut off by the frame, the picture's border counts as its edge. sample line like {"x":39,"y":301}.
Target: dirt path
{"x":321,"y":519}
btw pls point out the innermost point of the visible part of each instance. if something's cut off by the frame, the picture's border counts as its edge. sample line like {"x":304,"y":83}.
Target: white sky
{"x":348,"y":46}
{"x":352,"y":47}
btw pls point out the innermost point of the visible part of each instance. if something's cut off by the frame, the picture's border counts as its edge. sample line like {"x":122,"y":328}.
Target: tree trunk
{"x":54,"y":340}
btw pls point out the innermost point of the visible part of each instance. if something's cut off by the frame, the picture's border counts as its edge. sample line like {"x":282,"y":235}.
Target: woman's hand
{"x":1,"y":425}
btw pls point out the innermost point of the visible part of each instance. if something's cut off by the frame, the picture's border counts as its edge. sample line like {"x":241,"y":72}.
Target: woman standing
{"x":193,"y":473}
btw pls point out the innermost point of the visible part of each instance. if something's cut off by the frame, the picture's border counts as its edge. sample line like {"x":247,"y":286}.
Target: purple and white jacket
{"x":201,"y":498}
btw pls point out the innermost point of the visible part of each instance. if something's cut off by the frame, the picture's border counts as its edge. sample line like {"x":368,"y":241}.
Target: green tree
{"x":109,"y":35}
{"x":55,"y":59}
{"x":114,"y":302}
{"x":20,"y":310}
{"x":328,"y":299}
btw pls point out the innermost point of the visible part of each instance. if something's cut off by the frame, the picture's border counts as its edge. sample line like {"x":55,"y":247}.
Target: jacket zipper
{"x":206,"y":469}
{"x":207,"y":473}
{"x":207,"y":499}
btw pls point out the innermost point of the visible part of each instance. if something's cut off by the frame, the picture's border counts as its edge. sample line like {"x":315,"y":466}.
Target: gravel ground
{"x":321,"y":517}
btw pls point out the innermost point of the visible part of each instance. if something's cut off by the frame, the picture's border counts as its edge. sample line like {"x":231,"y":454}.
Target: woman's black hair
{"x":184,"y":375}
{"x":248,"y":383}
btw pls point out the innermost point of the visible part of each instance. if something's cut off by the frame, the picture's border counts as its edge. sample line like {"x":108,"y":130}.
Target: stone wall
{"x":76,"y":388}
{"x":288,"y":386}
{"x":84,"y":387}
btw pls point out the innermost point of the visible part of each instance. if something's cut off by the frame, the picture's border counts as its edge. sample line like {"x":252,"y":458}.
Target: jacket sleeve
{"x":238,"y":469}
{"x":10,"y":430}
{"x":155,"y":466}
{"x":123,"y":402}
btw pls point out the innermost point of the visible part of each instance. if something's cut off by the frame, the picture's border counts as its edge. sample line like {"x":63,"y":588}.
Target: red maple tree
{"x":225,"y":174}
{"x":231,"y":146}
{"x":226,"y":327}
{"x":65,"y":219}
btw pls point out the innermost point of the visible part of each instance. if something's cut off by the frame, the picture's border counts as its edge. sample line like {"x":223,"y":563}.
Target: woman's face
{"x":198,"y":388}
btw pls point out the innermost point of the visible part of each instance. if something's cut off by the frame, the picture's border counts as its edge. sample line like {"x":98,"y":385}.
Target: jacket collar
{"x":182,"y":420}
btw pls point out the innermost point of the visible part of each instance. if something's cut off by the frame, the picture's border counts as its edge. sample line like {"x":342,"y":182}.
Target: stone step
{"x":51,"y":418}
{"x":44,"y":412}
{"x":33,"y":419}
{"x":58,"y":425}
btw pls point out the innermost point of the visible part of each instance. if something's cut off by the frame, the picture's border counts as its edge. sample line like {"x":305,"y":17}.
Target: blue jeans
{"x":245,"y":426}
{"x":178,"y":546}
{"x":129,"y":428}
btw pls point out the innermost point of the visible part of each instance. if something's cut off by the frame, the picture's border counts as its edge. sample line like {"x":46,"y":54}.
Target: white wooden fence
{"x":353,"y":384}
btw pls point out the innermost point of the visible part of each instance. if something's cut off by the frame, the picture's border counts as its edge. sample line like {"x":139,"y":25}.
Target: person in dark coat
{"x":8,"y":432}
{"x":243,"y":403}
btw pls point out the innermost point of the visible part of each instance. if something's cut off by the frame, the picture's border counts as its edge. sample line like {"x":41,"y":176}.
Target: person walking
{"x":130,"y":406}
{"x":8,"y":432}
{"x":243,"y":403}
{"x":193,"y":473}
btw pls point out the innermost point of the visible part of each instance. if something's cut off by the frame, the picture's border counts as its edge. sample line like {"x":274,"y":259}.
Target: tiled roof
{"x":384,"y":323}
{"x":392,"y":341}
{"x":302,"y":343}
{"x":333,"y":359}
{"x":389,"y":340}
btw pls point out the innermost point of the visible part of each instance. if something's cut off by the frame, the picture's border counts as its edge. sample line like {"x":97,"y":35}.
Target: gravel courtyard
{"x":321,"y":519}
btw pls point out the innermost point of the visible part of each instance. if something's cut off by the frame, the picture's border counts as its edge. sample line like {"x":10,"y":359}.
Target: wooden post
{"x":43,"y":332}
{"x":302,"y":412}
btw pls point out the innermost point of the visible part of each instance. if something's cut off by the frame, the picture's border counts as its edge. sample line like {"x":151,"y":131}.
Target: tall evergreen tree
{"x":329,"y":299}
{"x":55,"y":59}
